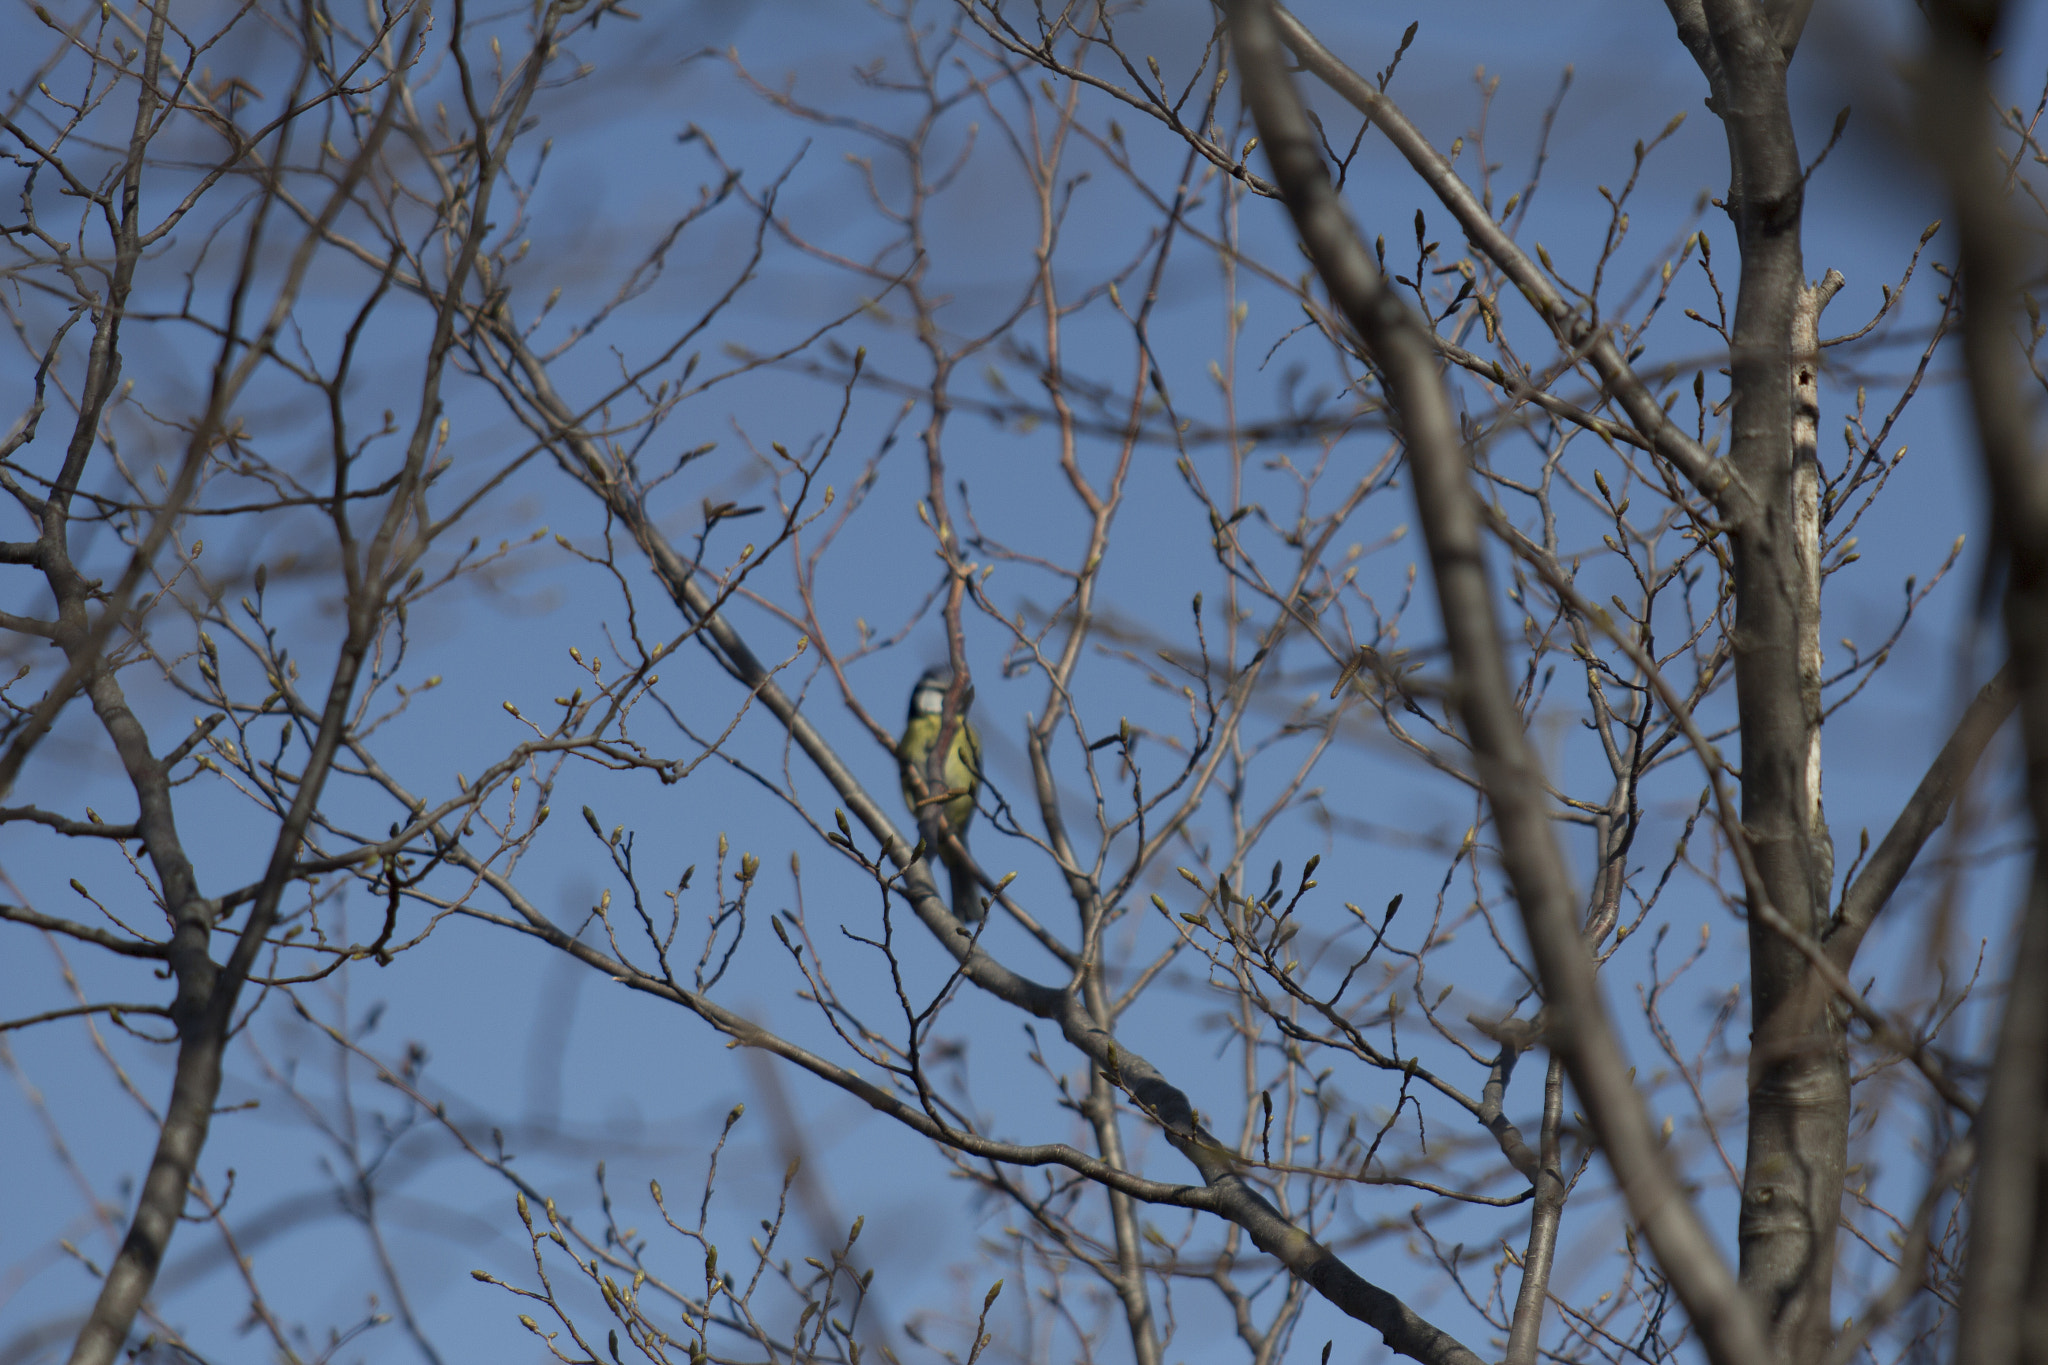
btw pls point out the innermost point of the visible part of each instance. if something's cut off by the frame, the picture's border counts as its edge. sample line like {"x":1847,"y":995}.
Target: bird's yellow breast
{"x":962,"y":768}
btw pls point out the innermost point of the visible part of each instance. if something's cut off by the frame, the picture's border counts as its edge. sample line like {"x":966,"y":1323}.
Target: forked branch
{"x":1580,"y":1029}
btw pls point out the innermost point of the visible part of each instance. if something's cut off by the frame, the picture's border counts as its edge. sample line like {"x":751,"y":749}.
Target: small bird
{"x":960,"y":776}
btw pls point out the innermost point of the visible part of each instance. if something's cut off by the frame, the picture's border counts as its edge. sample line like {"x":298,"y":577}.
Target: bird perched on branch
{"x":951,"y":790}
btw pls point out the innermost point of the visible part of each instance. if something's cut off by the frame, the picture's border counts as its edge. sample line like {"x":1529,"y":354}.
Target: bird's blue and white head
{"x":928,"y":698}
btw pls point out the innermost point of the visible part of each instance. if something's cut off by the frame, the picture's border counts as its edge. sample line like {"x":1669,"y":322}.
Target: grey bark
{"x":1526,"y":1327}
{"x":1799,"y":1076}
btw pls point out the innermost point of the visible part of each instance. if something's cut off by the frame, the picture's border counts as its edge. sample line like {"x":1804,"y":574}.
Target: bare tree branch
{"x":1579,"y":1028}
{"x":1921,"y":816}
{"x":1713,"y":477}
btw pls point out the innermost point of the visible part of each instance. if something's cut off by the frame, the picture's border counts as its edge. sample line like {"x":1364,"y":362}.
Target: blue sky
{"x":512,"y":1033}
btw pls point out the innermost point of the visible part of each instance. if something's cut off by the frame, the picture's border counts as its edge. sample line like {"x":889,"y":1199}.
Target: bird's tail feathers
{"x":967,"y":907}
